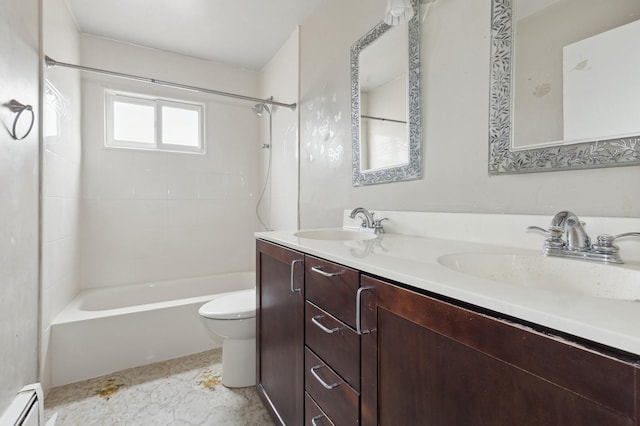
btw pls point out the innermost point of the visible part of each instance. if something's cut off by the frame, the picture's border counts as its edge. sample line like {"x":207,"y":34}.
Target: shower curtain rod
{"x":53,"y":63}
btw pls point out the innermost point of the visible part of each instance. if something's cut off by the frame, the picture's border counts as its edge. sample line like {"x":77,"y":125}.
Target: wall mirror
{"x":386,"y":104}
{"x":565,"y":85}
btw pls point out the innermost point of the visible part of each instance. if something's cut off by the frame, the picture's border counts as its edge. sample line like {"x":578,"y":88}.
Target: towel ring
{"x":19,"y":108}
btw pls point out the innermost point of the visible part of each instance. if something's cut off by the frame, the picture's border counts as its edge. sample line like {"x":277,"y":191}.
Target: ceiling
{"x":244,"y":33}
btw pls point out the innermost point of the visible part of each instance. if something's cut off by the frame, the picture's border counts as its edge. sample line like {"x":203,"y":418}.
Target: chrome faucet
{"x":369,"y":224}
{"x":568,"y":222}
{"x":368,"y":217}
{"x":578,"y":244}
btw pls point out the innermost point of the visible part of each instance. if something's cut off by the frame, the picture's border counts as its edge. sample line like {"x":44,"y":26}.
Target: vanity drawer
{"x":313,"y":415}
{"x":332,"y":394}
{"x":332,"y":287}
{"x":335,"y":342}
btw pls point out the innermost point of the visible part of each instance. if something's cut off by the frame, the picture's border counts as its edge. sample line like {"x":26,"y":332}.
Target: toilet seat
{"x":238,"y":305}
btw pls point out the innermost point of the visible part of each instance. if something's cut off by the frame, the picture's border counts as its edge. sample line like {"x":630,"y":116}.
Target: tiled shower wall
{"x":279,"y":78}
{"x":60,"y":173}
{"x":149,"y":216}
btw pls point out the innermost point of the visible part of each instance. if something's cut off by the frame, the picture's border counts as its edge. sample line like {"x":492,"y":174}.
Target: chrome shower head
{"x":260,"y":109}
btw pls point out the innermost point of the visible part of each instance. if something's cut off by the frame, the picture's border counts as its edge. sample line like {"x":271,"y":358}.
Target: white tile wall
{"x":150,"y":216}
{"x":279,"y":78}
{"x":61,"y":184}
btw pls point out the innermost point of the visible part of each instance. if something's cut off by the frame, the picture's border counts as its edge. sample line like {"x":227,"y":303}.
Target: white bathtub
{"x":109,"y":329}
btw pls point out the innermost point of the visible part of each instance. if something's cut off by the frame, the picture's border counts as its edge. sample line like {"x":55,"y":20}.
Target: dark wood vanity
{"x":419,"y":359}
{"x":280,"y":331}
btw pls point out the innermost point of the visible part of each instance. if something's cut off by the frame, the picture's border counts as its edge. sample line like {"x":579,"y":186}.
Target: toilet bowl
{"x":232,"y":317}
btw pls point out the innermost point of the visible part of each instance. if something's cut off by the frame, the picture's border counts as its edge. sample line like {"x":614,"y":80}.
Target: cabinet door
{"x":429,"y":362}
{"x":280,"y":331}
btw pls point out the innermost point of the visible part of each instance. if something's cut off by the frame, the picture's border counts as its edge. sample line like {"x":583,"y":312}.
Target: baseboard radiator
{"x":27,"y":408}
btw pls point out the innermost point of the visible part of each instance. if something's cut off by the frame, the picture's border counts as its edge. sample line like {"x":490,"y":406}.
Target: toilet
{"x":232,"y":317}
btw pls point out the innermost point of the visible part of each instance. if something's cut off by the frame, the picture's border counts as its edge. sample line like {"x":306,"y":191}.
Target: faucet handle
{"x":604,"y":243}
{"x":377,"y":225}
{"x":554,"y":233}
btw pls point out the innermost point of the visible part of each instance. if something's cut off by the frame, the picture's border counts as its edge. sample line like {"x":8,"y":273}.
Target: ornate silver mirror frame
{"x":413,"y":169}
{"x":502,"y":160}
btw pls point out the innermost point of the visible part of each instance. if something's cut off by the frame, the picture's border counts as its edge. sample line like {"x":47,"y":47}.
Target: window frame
{"x":112,"y":96}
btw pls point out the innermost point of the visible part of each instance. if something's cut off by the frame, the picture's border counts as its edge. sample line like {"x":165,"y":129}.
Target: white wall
{"x":279,"y":78}
{"x":617,"y":111}
{"x":19,"y":75}
{"x":455,"y":86}
{"x":60,"y":173}
{"x":151,"y":216}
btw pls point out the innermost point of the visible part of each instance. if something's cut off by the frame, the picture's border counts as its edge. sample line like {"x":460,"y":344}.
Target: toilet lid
{"x":232,"y":306}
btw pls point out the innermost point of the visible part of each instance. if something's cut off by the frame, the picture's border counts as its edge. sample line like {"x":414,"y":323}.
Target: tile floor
{"x":183,"y":391}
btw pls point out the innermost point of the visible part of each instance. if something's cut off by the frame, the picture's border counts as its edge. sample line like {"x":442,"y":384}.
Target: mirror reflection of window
{"x":383,"y":125}
{"x":383,"y":101}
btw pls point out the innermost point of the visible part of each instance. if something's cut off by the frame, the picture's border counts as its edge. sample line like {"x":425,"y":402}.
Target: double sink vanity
{"x":462,"y":319}
{"x":446,"y":319}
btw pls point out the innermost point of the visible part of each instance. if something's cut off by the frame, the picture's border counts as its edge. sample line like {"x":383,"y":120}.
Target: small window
{"x":141,"y":122}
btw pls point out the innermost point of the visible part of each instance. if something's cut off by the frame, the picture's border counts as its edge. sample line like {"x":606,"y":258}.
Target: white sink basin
{"x":335,"y":235}
{"x":549,"y":273}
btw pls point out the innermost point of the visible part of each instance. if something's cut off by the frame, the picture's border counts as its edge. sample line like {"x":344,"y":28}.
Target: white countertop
{"x":413,"y":260}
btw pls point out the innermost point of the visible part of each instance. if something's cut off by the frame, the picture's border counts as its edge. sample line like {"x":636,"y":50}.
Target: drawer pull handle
{"x":319,"y":379}
{"x":359,"y":329}
{"x":316,"y":321}
{"x":323,"y":273}
{"x":314,"y":420}
{"x":293,"y":265}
